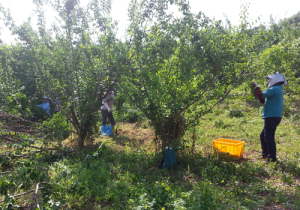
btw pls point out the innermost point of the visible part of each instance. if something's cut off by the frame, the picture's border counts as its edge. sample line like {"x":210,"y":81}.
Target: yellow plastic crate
{"x":228,"y":148}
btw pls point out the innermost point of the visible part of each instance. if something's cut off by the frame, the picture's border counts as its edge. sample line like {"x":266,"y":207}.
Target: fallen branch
{"x":20,"y":120}
{"x":24,"y":193}
{"x":23,"y":129}
{"x":19,"y":195}
{"x":42,"y":148}
{"x":21,"y":207}
{"x":35,"y":196}
{"x":5,"y":172}
{"x":12,"y":140}
{"x":65,"y":153}
{"x":27,"y":155}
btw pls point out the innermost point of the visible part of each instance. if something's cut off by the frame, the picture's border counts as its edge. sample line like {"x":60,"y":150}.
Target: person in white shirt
{"x":45,"y":105}
{"x":106,"y":108}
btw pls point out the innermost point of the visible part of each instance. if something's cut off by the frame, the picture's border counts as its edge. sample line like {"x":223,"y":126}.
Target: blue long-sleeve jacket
{"x":272,"y":99}
{"x":45,"y":106}
{"x":273,"y":105}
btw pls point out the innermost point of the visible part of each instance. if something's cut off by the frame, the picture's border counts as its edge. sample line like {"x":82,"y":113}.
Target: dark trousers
{"x":109,"y":115}
{"x":267,"y":137}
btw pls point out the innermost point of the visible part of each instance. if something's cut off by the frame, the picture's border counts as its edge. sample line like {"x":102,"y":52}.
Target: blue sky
{"x":22,"y":9}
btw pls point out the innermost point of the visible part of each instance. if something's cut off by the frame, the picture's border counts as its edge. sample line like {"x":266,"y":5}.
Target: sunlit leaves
{"x":182,"y":62}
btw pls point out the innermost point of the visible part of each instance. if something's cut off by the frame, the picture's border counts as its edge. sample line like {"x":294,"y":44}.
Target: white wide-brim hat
{"x":276,"y":78}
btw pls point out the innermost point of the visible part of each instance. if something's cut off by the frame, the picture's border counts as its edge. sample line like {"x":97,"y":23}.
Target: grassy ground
{"x":122,"y":172}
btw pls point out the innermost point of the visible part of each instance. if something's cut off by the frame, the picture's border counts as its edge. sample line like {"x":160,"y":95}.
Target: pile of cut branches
{"x":25,"y":153}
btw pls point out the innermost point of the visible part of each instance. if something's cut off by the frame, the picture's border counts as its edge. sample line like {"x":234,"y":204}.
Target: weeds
{"x":123,"y":173}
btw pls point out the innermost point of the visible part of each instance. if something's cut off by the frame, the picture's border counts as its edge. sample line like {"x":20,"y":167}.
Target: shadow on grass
{"x":125,"y":177}
{"x":253,"y":103}
{"x":102,"y":177}
{"x":123,"y":140}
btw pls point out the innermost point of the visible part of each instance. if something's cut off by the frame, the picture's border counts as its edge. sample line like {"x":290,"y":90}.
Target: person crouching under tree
{"x":272,"y":99}
{"x":45,"y":105}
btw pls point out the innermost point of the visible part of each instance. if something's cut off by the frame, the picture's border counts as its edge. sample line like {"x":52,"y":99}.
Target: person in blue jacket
{"x":45,"y":105}
{"x":272,"y":99}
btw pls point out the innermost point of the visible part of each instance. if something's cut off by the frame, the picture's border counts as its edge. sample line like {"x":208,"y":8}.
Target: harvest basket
{"x":227,"y":148}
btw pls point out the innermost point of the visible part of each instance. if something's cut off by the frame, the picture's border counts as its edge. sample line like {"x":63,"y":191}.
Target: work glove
{"x":254,"y":84}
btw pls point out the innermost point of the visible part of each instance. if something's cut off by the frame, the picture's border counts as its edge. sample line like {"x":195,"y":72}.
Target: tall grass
{"x":123,"y":173}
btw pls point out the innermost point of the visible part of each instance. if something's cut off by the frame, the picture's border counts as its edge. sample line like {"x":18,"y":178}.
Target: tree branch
{"x":185,"y":108}
{"x":74,"y":118}
{"x":129,"y":96}
{"x":222,"y":97}
{"x":151,"y":102}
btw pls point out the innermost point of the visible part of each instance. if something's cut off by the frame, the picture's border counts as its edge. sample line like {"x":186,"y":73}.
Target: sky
{"x":279,"y":9}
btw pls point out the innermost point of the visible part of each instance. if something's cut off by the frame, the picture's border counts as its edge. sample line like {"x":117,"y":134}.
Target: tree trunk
{"x":81,"y":137}
{"x":170,"y":133}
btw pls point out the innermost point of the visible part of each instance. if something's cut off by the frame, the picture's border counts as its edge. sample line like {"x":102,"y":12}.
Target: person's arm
{"x":104,"y":102}
{"x":269,"y":93}
{"x":112,"y":98}
{"x":258,"y":93}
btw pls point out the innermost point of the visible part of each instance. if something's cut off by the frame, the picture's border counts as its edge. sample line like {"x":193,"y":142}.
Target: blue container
{"x":170,"y":158}
{"x":107,"y":130}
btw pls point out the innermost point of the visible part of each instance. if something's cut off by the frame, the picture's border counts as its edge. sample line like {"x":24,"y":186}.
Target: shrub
{"x":18,"y":104}
{"x":129,"y":115}
{"x":221,"y":124}
{"x":60,"y":126}
{"x":236,"y":113}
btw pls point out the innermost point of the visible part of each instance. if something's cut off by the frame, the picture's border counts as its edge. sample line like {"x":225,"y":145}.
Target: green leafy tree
{"x":18,"y":83}
{"x":279,"y":44}
{"x":294,"y":20}
{"x":284,"y":58}
{"x":182,"y":66}
{"x":77,"y":59}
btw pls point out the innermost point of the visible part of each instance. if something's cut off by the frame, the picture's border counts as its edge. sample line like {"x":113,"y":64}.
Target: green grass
{"x":124,"y":173}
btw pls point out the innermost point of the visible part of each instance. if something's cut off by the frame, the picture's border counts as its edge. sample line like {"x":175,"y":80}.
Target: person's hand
{"x":254,"y":84}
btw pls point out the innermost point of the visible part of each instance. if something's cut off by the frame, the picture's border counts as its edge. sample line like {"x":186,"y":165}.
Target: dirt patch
{"x":71,"y":141}
{"x":131,"y":135}
{"x":276,"y":207}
